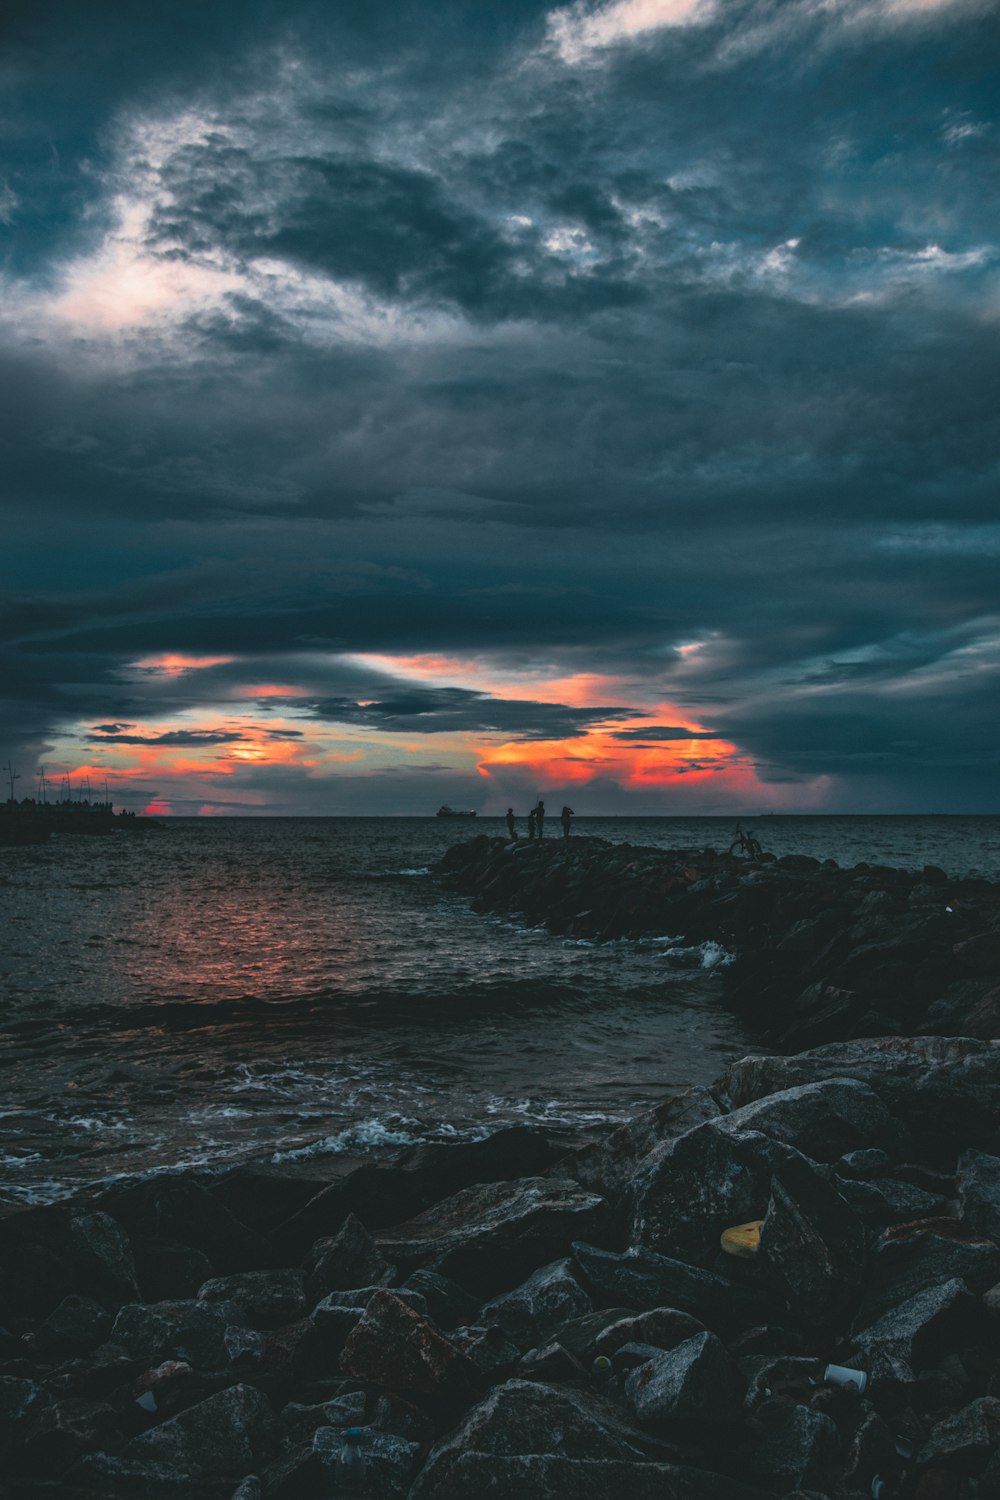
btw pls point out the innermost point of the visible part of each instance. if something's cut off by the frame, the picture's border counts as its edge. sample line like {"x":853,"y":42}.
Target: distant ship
{"x":453,"y":812}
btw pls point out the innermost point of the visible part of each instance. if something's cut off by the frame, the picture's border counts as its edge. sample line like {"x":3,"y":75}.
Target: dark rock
{"x":697,"y":1384}
{"x":533,"y":1311}
{"x":800,"y":1451}
{"x":339,"y":1312}
{"x":262,"y":1196}
{"x":296,"y":1352}
{"x":179,"y":1210}
{"x":187,"y":1330}
{"x":605,"y":1165}
{"x":76,"y":1326}
{"x":580,"y":1335}
{"x":823,"y":1119}
{"x":870,"y":1450}
{"x":264,"y":1299}
{"x":979,"y":1192}
{"x":492,"y":1351}
{"x":765,"y":1338}
{"x":642,"y":1280}
{"x":813,"y":1246}
{"x":551,"y":1363}
{"x":549,"y":1476}
{"x":381,"y":1466}
{"x":250,"y":1488}
{"x":65,"y":1430}
{"x":350,"y":1259}
{"x":769,"y":1376}
{"x":886,"y":1201}
{"x":21,"y":1404}
{"x":946,"y":1090}
{"x":912,"y":1258}
{"x":168,"y":1272}
{"x":965,"y":1439}
{"x":111,"y":1475}
{"x":870,"y":1162}
{"x":297,"y":1422}
{"x":447,"y":1303}
{"x":980,"y":954}
{"x":663,"y":1327}
{"x":923,"y":1327}
{"x":490,"y":1236}
{"x":227,"y":1435}
{"x":394,"y":1347}
{"x":47,"y":1254}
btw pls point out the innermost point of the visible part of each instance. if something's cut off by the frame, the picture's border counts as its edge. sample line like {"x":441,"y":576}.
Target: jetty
{"x":785,"y":1283}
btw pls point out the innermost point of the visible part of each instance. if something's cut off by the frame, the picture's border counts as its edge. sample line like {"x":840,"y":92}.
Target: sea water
{"x":302,"y":989}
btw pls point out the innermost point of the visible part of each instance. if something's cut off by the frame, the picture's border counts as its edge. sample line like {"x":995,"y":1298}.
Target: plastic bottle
{"x":351,"y":1466}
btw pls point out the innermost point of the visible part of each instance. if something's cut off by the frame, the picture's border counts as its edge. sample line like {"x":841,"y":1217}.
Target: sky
{"x":420,"y":402}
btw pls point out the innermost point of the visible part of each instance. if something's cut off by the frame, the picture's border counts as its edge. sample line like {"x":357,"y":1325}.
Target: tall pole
{"x":12,"y":776}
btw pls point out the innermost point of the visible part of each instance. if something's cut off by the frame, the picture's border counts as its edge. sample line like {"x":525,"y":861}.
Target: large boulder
{"x":979,"y":1192}
{"x":490,"y":1236}
{"x":640,"y":1279}
{"x":912,"y":1258}
{"x":946,"y":1090}
{"x":813,"y":1246}
{"x":178,"y":1210}
{"x":605,"y":1165}
{"x":539,"y":1306}
{"x":923,"y":1328}
{"x":397,"y":1349}
{"x":696,"y":1384}
{"x":348,"y":1259}
{"x":264,"y":1299}
{"x":226,"y":1435}
{"x":49,"y":1253}
{"x":188,"y":1330}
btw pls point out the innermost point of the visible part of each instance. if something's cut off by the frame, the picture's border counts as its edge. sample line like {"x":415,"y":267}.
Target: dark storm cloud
{"x":171,"y":737}
{"x":457,"y":710}
{"x":659,"y":732}
{"x":573,"y":357}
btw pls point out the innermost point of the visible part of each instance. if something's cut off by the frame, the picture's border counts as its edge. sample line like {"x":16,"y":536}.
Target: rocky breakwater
{"x":499,"y":1319}
{"x":821,"y":953}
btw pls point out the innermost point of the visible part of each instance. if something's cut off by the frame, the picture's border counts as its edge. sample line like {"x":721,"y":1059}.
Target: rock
{"x":264,"y":1299}
{"x":980,"y":954}
{"x":551,"y":1364}
{"x":912,"y":1258}
{"x":248,"y":1489}
{"x":296,"y":1352}
{"x":946,"y":1090}
{"x":685,"y":1193}
{"x":339,"y":1312}
{"x":491,"y":1350}
{"x":49,"y":1253}
{"x":979,"y":1192}
{"x":580,"y":1335}
{"x":76,"y":1326}
{"x":350,"y":1259}
{"x":696,"y":1383}
{"x":823,"y":1119}
{"x":800,"y":1451}
{"x":298,"y":1422}
{"x":21,"y":1404}
{"x":884,"y":1200}
{"x":177,"y":1209}
{"x":490,"y":1236}
{"x":870,"y":1162}
{"x":965,"y":1439}
{"x":604,"y":1166}
{"x":227,"y":1436}
{"x":187,"y":1330}
{"x":64,"y":1431}
{"x":663,"y":1327}
{"x":111,"y":1475}
{"x":922,"y":1328}
{"x":394,"y":1347}
{"x":447,"y":1303}
{"x":641,"y":1279}
{"x":533,"y":1311}
{"x":169,"y":1272}
{"x":870,"y":1450}
{"x":380,"y":1466}
{"x":813,"y":1246}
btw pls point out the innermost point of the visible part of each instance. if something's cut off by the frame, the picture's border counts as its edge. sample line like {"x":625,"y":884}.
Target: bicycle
{"x":744,"y":845}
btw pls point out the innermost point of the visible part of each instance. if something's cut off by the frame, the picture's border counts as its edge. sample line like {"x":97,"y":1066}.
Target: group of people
{"x":536,"y":821}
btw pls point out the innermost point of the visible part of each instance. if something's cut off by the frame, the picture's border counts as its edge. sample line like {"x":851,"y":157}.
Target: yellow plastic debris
{"x":742,"y":1239}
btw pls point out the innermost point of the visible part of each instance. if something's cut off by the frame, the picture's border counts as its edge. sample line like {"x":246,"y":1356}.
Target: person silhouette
{"x":564,"y":818}
{"x":540,"y":818}
{"x":511,"y":826}
{"x":532,"y":818}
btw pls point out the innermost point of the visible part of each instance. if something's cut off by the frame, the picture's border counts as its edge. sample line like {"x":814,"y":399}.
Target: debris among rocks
{"x":500,"y":1319}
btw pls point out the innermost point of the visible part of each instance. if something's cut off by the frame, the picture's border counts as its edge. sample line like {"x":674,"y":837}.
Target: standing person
{"x":540,"y":818}
{"x":531,"y":824}
{"x":564,"y":818}
{"x":511,"y":826}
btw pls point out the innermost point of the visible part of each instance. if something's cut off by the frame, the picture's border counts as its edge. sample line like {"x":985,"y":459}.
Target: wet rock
{"x":697,"y":1384}
{"x":813,"y":1246}
{"x":21,"y":1404}
{"x":76,"y":1326}
{"x":979,"y":1192}
{"x":913,"y":1258}
{"x":226,"y":1435}
{"x":966,"y":1439}
{"x":533,"y":1311}
{"x":447,"y":1303}
{"x":604,"y":1166}
{"x":187,"y":1330}
{"x":179,"y":1210}
{"x":339,"y":1312}
{"x":65,"y":1430}
{"x":641,"y":1279}
{"x":381,"y":1465}
{"x":924,"y":1327}
{"x":663,"y":1327}
{"x":799,"y":1451}
{"x":685,"y":1193}
{"x":264,"y":1299}
{"x":490,"y":1236}
{"x":394,"y":1347}
{"x":350,"y":1259}
{"x":946,"y":1090}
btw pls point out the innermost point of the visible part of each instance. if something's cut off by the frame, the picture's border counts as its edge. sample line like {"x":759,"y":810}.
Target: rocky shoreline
{"x":504,"y":1319}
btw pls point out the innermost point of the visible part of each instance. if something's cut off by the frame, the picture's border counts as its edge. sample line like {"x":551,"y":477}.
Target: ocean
{"x":303,"y":989}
